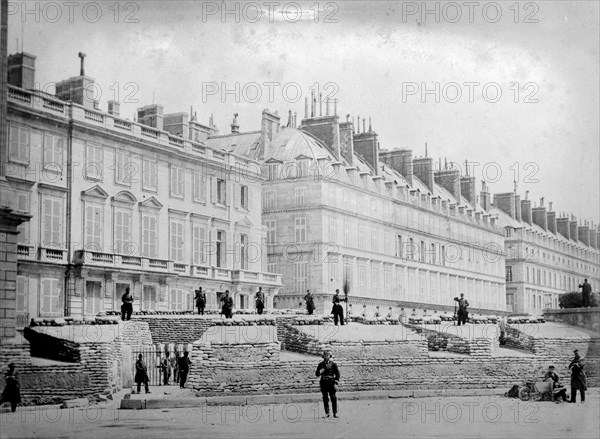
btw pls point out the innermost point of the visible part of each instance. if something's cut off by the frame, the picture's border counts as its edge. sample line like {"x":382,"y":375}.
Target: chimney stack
{"x":423,"y":169}
{"x":327,"y":130}
{"x":485,"y":197}
{"x":21,"y":70}
{"x":593,"y":238}
{"x":526,"y":210}
{"x":551,"y":216}
{"x":151,"y":115}
{"x":467,"y":189}
{"x":584,"y":234}
{"x":539,"y":215}
{"x":506,"y":203}
{"x":347,"y":141}
{"x":400,"y":160}
{"x":367,"y":146}
{"x":269,"y":127}
{"x":562,"y":226}
{"x":449,"y":179}
{"x":573,"y":229}
{"x":114,"y":108}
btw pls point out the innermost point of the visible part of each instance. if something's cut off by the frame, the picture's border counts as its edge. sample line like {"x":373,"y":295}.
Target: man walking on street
{"x":462,"y":313}
{"x":330,"y":376}
{"x":166,"y":369}
{"x":310,"y":302}
{"x":184,"y":369}
{"x":141,"y":374}
{"x":578,"y":378}
{"x":586,"y":293}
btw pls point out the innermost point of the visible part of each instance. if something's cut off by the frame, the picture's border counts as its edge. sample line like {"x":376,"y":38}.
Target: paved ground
{"x":450,"y":417}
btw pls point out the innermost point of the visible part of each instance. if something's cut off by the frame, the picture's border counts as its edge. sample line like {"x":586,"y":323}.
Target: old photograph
{"x":300,"y":219}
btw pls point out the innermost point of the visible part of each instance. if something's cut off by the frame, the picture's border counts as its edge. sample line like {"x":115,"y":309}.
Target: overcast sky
{"x":376,"y":57}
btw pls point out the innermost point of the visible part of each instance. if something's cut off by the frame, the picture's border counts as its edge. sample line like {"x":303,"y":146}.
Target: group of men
{"x":227,"y":302}
{"x":179,"y":366}
{"x":578,"y":380}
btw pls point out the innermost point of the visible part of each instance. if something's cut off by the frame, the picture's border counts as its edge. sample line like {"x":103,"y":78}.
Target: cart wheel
{"x":524,"y":394}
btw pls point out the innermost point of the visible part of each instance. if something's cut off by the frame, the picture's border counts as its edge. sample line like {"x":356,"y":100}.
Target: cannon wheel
{"x":524,"y":394}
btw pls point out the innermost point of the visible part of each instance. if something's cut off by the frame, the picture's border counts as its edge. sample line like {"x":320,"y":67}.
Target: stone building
{"x":149,"y":205}
{"x":547,"y":254}
{"x":399,"y":232}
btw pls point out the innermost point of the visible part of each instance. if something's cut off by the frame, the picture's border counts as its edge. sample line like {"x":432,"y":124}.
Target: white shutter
{"x":213,"y":189}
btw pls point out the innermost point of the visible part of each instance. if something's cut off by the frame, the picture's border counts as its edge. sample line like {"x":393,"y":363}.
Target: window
{"x":509,"y":232}
{"x":375,"y":280}
{"x":149,"y":298}
{"x":93,"y":297}
{"x":53,"y":152}
{"x":509,"y":276}
{"x":443,"y":255}
{"x":221,"y":191}
{"x":362,"y":237}
{"x":244,"y":197}
{"x":52,"y":217}
{"x":333,"y":269}
{"x":51,"y":290}
{"x":18,"y":142}
{"x":300,"y":271}
{"x":387,"y":281}
{"x":180,"y":300}
{"x":22,"y":294}
{"x":177,"y":241}
{"x":271,"y":231}
{"x":124,"y":169}
{"x":198,"y":244}
{"x":94,"y":161}
{"x":94,"y":219}
{"x":300,"y":229}
{"x":399,"y":249}
{"x":199,"y":187}
{"x":269,"y":200}
{"x":243,"y":252}
{"x":177,"y":182}
{"x":422,"y":256}
{"x":300,"y":196}
{"x":221,"y":248}
{"x":432,"y":255}
{"x":149,"y":174}
{"x":374,"y":240}
{"x":122,"y":240}
{"x":272,"y":171}
{"x":411,"y":250}
{"x":272,"y":264}
{"x":149,"y":235}
{"x":347,"y":233}
{"x":332,"y":230}
{"x":362,"y":275}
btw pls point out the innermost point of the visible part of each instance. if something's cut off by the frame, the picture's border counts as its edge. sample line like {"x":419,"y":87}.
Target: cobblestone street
{"x":450,"y":417}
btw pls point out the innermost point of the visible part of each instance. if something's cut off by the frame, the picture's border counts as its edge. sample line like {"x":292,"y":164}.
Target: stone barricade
{"x":171,"y":329}
{"x":370,"y":374}
{"x":440,"y":340}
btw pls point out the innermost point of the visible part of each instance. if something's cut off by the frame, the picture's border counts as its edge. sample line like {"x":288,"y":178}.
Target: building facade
{"x":546,"y":254}
{"x":397,"y":232}
{"x":118,"y":204}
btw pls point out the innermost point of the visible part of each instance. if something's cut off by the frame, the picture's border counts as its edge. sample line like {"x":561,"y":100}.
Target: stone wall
{"x":369,"y":374}
{"x":438,"y":340}
{"x":588,"y":318}
{"x":136,"y":333}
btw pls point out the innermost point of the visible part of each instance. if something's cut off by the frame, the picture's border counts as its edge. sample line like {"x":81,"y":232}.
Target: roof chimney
{"x":449,"y":179}
{"x":269,"y":127}
{"x":114,"y":107}
{"x":562,"y":226}
{"x":573,"y":229}
{"x":21,"y":70}
{"x":584,"y":234}
{"x":400,"y":160}
{"x":467,"y":190}
{"x":78,"y":89}
{"x":423,"y":169}
{"x":367,"y":146}
{"x":151,"y":115}
{"x":539,"y":216}
{"x":484,"y":196}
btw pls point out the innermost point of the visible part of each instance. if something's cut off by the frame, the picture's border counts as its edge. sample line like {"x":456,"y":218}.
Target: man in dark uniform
{"x":338,"y":310}
{"x":141,"y":374}
{"x":227,"y":308}
{"x":260,"y":300}
{"x":552,"y":375}
{"x":200,"y":299}
{"x":586,"y":293}
{"x":184,"y":369}
{"x":310,"y":302}
{"x":127,"y":306}
{"x":462,"y":313}
{"x":578,"y":378}
{"x":330,"y":376}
